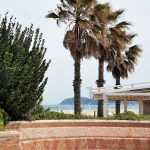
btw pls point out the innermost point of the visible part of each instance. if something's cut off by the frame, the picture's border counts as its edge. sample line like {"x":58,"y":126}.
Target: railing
{"x":144,"y":84}
{"x":95,"y":91}
{"x":129,"y":85}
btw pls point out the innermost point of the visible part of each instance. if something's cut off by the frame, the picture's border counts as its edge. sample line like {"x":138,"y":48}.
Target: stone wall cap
{"x":82,"y":121}
{"x":9,"y":133}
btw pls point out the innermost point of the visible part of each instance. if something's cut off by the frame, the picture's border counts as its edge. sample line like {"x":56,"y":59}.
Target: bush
{"x":39,"y":113}
{"x":129,"y":115}
{"x":4,"y":118}
{"x":22,"y":68}
{"x":1,"y":126}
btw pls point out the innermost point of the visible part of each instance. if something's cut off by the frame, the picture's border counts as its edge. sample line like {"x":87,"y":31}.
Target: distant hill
{"x":88,"y":101}
{"x":84,"y":101}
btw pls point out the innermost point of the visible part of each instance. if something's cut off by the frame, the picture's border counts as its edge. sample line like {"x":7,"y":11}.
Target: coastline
{"x":91,"y":112}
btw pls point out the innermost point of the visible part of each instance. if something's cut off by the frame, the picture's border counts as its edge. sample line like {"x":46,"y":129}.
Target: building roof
{"x":138,"y":91}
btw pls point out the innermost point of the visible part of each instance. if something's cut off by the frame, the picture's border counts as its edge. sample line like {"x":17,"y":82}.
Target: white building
{"x":133,"y":92}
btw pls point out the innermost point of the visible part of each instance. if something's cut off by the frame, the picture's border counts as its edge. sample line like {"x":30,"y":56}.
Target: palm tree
{"x":122,"y":65}
{"x":79,"y":37}
{"x":117,"y":63}
{"x":105,"y":17}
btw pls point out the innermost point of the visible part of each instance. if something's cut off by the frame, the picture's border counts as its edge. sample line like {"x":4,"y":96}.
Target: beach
{"x":91,"y":110}
{"x":94,"y":111}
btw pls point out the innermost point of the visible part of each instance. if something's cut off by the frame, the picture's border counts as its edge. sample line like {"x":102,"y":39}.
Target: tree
{"x":116,"y":61}
{"x":106,"y":18}
{"x":123,"y":63}
{"x":22,"y":68}
{"x":79,"y":37}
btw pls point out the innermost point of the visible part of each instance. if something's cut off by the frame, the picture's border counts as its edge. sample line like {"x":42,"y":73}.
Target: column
{"x":141,"y":107}
{"x":105,"y":106}
{"x":125,"y":105}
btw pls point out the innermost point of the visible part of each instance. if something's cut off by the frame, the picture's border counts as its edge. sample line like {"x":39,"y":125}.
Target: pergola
{"x":133,"y":92}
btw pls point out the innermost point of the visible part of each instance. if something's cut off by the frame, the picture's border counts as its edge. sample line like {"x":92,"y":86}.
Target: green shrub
{"x":1,"y":121}
{"x":39,"y":113}
{"x":4,"y":119}
{"x":22,"y":67}
{"x":1,"y":126}
{"x":129,"y":115}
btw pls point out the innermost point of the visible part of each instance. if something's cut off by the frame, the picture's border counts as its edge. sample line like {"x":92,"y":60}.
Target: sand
{"x":91,"y":112}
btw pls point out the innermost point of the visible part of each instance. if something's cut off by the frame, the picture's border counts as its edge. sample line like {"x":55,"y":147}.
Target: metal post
{"x":141,"y":107}
{"x":125,"y":105}
{"x":105,"y":106}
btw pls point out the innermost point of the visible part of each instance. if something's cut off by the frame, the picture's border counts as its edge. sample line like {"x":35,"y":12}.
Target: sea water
{"x":132,"y":105}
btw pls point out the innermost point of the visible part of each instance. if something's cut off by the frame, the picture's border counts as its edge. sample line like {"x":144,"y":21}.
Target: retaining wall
{"x":9,"y":140}
{"x":76,"y":135}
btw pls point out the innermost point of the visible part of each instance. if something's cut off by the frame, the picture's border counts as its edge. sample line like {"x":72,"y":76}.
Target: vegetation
{"x":125,"y":116}
{"x":4,"y":119}
{"x":1,"y":126}
{"x":80,"y":36}
{"x":145,"y":117}
{"x":106,"y":18}
{"x":93,"y":31}
{"x":114,"y":39}
{"x":123,"y":63}
{"x":39,"y":113}
{"x":22,"y":68}
{"x":1,"y":121}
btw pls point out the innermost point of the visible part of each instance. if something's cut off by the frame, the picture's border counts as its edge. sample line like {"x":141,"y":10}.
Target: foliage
{"x":4,"y":118}
{"x":145,"y":117}
{"x":1,"y":121}
{"x":22,"y":68}
{"x":79,"y":38}
{"x":129,"y":115}
{"x":1,"y":126}
{"x":39,"y":113}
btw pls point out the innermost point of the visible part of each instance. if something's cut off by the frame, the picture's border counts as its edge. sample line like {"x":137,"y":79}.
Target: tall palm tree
{"x":106,"y":18}
{"x":79,"y":38}
{"x":122,"y":65}
{"x":120,"y":39}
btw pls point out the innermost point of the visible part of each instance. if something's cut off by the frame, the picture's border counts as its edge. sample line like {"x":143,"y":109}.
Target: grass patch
{"x":145,"y":117}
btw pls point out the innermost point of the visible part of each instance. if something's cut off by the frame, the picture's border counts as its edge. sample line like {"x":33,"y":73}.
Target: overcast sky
{"x":61,"y":69}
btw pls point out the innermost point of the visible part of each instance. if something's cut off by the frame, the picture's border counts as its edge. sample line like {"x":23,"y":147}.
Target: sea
{"x":132,"y":105}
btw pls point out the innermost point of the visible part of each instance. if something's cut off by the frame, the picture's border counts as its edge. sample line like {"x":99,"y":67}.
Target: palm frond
{"x":69,"y":39}
{"x":52,"y":15}
{"x":113,"y":16}
{"x":86,"y":3}
{"x":122,"y":25}
{"x":133,"y":53}
{"x":71,"y":2}
{"x":85,"y":24}
{"x":102,"y":7}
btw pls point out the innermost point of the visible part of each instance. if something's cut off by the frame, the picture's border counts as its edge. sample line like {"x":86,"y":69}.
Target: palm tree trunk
{"x":118,"y":80}
{"x":100,"y":83}
{"x":117,"y":101}
{"x":76,"y":84}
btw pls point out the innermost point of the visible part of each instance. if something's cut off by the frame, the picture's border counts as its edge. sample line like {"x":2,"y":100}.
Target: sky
{"x":61,"y":70}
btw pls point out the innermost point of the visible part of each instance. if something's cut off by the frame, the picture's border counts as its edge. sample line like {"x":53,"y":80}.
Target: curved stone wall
{"x":81,"y":134}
